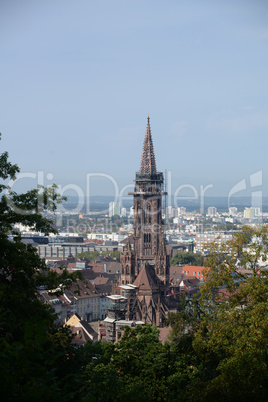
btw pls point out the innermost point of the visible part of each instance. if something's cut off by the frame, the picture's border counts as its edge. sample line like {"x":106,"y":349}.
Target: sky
{"x":79,"y":77}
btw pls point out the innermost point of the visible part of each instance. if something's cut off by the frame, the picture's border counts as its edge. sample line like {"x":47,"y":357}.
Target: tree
{"x":226,"y":323}
{"x":88,"y":255}
{"x":35,"y":358}
{"x":188,"y":258}
{"x":237,"y":327}
{"x":138,"y":367}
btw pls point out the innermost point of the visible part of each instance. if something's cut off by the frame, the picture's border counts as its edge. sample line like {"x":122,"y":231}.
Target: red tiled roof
{"x":175,"y":269}
{"x":71,"y":264}
{"x":97,"y":268}
{"x":194,"y":270}
{"x":100,"y":280}
{"x":145,"y":279}
{"x":163,"y":334}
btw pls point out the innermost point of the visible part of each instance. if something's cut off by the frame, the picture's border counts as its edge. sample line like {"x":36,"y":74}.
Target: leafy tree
{"x":138,"y":367}
{"x":218,"y":345}
{"x":35,"y":358}
{"x":237,"y":326}
{"x":226,"y":226}
{"x":115,"y":254}
{"x":88,"y":255}
{"x":226,"y":324}
{"x":188,"y":258}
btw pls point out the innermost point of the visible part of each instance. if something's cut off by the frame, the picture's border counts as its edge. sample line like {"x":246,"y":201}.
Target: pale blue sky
{"x":78,"y":77}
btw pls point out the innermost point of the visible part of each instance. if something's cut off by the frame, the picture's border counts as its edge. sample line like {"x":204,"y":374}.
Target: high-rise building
{"x":114,"y":209}
{"x":212,"y":211}
{"x":258,"y":211}
{"x":171,"y":212}
{"x":146,"y":263}
{"x":233,"y":211}
{"x":181,"y":211}
{"x":249,"y":213}
{"x":123,"y":212}
{"x":203,"y":239}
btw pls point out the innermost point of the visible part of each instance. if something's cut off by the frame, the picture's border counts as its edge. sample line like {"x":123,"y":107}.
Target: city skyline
{"x":78,"y":80}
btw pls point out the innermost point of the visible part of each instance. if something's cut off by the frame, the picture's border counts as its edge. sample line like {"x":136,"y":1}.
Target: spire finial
{"x":148,"y":159}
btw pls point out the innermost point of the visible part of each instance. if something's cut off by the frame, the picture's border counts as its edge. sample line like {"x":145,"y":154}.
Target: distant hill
{"x":101,"y":203}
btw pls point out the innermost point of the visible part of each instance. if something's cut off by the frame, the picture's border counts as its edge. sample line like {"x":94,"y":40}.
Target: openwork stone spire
{"x":148,"y":164}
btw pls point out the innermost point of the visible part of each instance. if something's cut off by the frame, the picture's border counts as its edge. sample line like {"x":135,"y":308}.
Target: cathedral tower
{"x":148,"y":240}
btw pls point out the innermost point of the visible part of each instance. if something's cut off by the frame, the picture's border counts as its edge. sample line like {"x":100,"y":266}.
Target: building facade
{"x":114,"y":209}
{"x":203,"y":239}
{"x":212,"y":211}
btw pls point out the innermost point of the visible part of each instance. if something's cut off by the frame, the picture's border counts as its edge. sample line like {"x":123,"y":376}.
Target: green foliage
{"x":226,"y":226}
{"x":88,"y":255}
{"x":33,"y":354}
{"x":218,"y":344}
{"x":236,"y":328}
{"x":115,"y":254}
{"x":188,"y":258}
{"x":139,"y":367}
{"x":226,"y":324}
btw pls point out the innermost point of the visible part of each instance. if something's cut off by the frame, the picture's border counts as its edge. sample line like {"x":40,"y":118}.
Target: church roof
{"x":148,"y":165}
{"x":146,"y":279}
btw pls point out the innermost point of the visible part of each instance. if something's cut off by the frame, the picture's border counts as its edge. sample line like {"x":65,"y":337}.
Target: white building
{"x":249,"y":213}
{"x":106,"y":236}
{"x":233,"y":211}
{"x":181,"y":211}
{"x":258,"y":211}
{"x":86,"y":303}
{"x":171,"y":212}
{"x":203,"y":239}
{"x":114,"y":209}
{"x":212,"y":211}
{"x":123,"y":212}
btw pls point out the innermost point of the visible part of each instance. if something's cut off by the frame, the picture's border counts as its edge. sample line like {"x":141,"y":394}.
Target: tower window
{"x":147,"y":238}
{"x":147,"y":213}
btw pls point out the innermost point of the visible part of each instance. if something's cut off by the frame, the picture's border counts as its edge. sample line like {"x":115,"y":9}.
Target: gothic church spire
{"x":148,"y":165}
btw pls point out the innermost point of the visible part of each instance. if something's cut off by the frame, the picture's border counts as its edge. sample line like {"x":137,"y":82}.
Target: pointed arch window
{"x":147,"y":213}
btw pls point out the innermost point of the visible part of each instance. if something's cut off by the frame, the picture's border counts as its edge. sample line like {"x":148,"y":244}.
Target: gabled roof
{"x":195,"y":267}
{"x":112,"y":267}
{"x":98,"y":268}
{"x":82,"y":289}
{"x":164,"y":333}
{"x":88,"y":328}
{"x":83,"y":332}
{"x":75,"y":319}
{"x":175,"y":270}
{"x":190,"y":283}
{"x":146,"y":280}
{"x":128,"y":239}
{"x":89,"y":274}
{"x":100,"y":280}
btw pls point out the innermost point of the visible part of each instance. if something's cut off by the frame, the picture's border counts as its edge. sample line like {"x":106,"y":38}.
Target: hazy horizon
{"x":79,"y":78}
